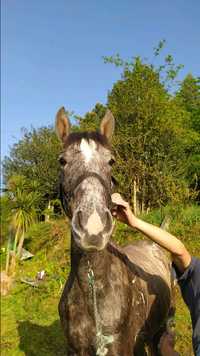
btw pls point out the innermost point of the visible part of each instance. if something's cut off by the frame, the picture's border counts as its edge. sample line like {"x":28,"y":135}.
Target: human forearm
{"x":180,"y":255}
{"x":162,"y":237}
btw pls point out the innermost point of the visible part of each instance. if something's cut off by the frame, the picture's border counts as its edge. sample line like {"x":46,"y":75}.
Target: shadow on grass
{"x":38,"y":340}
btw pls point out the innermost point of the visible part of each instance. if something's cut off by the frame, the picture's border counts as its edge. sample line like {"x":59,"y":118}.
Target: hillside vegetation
{"x":155,"y":164}
{"x":30,"y":323}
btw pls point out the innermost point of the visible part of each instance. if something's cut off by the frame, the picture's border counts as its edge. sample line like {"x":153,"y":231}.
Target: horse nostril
{"x":109,"y":222}
{"x":79,"y":219}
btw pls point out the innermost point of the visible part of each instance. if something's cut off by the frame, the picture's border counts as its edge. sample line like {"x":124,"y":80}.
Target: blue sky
{"x":51,"y":52}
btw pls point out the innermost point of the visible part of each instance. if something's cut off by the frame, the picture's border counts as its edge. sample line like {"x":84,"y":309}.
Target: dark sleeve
{"x":189,"y":283}
{"x":189,"y":273}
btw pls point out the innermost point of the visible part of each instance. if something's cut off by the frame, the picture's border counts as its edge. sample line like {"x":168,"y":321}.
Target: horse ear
{"x":62,"y":124}
{"x":107,"y":125}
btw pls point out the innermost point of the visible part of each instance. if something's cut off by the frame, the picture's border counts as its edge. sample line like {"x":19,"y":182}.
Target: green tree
{"x":5,"y":214}
{"x":150,"y":137}
{"x":22,"y":201}
{"x":152,"y":134}
{"x":189,"y":97}
{"x":35,"y":157}
{"x":91,"y":120}
{"x":189,"y":94}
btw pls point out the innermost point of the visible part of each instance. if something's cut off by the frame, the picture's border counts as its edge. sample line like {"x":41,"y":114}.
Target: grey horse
{"x":116,"y":301}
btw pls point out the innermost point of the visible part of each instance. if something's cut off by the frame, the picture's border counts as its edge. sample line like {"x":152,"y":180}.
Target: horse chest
{"x":114,"y":306}
{"x":106,"y":304}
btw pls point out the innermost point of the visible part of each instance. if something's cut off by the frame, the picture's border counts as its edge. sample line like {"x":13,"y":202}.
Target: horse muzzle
{"x":92,"y":232}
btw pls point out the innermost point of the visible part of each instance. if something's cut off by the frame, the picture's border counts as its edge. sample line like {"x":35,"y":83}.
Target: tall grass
{"x":30,"y":321}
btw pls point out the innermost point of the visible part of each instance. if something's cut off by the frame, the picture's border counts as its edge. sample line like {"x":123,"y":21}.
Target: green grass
{"x":30,"y":323}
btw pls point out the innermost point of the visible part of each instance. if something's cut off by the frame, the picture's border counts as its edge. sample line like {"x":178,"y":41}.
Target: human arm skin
{"x":167,"y":343}
{"x":180,"y":255}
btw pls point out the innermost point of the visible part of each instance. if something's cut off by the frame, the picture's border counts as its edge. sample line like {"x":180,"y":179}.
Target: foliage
{"x":168,"y":71}
{"x":150,"y":137}
{"x":189,"y":97}
{"x":35,"y":157}
{"x":23,"y":198}
{"x":91,"y":120}
{"x":189,"y":94}
{"x":34,"y":311}
{"x":5,"y":217}
{"x":53,"y":209}
{"x":156,"y":145}
{"x":20,"y":202}
{"x":45,"y":235}
{"x":156,"y":141}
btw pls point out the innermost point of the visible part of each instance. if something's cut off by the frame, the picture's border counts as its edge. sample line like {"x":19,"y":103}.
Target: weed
{"x":30,"y":321}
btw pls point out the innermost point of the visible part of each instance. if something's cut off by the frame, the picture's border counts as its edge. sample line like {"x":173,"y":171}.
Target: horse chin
{"x":87,"y":246}
{"x":92,"y":248}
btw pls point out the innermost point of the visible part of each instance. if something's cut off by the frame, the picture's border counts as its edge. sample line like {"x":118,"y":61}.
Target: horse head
{"x":85,"y":182}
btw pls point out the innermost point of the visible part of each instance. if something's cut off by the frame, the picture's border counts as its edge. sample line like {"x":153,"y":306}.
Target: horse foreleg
{"x":81,"y":353}
{"x":153,"y":350}
{"x":168,"y":326}
{"x":153,"y":347}
{"x":139,"y":348}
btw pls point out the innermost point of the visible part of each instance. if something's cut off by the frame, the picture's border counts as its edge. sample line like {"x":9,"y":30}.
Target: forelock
{"x":76,"y":137}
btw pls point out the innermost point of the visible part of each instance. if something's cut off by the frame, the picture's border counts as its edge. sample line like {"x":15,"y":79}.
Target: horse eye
{"x":62,"y":161}
{"x":112,"y":161}
{"x":113,"y":181}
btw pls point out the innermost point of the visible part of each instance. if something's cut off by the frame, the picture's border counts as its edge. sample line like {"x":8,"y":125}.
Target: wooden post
{"x":135,"y":196}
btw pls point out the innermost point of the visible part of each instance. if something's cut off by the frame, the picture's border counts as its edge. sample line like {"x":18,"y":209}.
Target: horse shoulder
{"x":150,"y":258}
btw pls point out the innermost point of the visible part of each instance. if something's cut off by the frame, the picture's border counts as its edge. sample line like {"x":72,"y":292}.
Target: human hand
{"x":121,"y":210}
{"x":167,"y":342}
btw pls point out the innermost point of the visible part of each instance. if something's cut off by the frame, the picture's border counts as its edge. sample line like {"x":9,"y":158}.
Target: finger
{"x":114,"y":213}
{"x":117,"y":199}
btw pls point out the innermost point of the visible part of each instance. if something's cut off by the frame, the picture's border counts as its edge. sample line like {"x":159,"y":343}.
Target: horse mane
{"x":76,"y":137}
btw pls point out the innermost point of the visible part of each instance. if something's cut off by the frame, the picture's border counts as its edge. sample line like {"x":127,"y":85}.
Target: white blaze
{"x":87,"y":149}
{"x":94,"y":224}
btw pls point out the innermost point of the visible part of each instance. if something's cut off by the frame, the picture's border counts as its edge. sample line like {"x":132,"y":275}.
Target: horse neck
{"x":82,"y":261}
